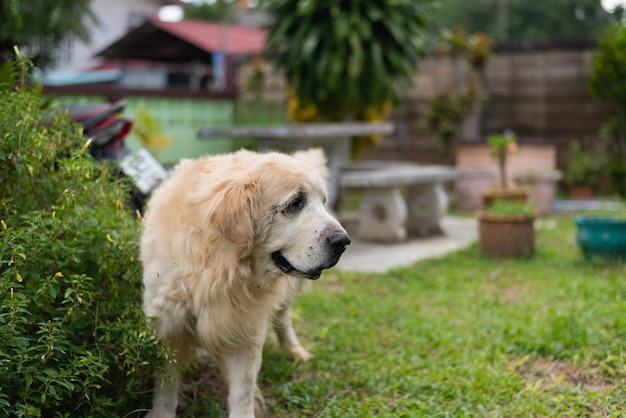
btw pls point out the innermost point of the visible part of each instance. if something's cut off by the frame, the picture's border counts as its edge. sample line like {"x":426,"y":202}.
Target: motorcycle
{"x":107,"y":129}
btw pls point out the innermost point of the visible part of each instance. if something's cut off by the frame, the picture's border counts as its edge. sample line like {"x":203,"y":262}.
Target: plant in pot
{"x":506,"y":229}
{"x":585,"y":161}
{"x":445,"y":116}
{"x":457,"y":112}
{"x":502,"y":145}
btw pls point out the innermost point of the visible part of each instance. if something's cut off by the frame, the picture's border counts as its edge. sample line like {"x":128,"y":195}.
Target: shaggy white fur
{"x":228,"y":242}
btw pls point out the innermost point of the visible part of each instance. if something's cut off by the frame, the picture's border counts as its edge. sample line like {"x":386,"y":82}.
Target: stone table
{"x":334,"y":138}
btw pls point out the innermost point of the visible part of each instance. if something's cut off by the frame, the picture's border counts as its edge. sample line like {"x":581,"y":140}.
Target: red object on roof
{"x":184,"y":41}
{"x":215,"y":36}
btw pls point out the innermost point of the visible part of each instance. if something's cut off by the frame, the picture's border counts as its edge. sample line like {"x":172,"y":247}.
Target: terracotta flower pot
{"x":504,"y":236}
{"x":582,"y":192}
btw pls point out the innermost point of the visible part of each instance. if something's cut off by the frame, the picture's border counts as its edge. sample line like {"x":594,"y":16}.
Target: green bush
{"x":73,"y":338}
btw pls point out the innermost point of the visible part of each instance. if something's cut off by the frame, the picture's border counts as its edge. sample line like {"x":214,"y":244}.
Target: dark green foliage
{"x":42,"y":26}
{"x":551,"y":19}
{"x":608,"y":74}
{"x":345,"y":56}
{"x":219,"y":11}
{"x":607,"y":80}
{"x":73,"y":339}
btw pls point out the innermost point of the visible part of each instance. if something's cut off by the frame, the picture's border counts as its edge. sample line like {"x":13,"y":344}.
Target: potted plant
{"x":458,"y":112}
{"x":584,"y":164}
{"x":602,"y":235}
{"x":506,"y":228}
{"x":445,"y":116}
{"x":502,"y":145}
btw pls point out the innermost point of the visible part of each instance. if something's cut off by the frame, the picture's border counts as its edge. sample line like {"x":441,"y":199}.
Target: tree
{"x":345,"y":57}
{"x":549,"y":19}
{"x":41,"y":26}
{"x":219,"y":11}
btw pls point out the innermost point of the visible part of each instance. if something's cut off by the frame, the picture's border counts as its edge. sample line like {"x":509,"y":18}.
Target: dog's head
{"x":276,"y":207}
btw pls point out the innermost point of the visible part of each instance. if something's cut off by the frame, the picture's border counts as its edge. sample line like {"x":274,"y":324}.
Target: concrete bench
{"x":386,"y":213}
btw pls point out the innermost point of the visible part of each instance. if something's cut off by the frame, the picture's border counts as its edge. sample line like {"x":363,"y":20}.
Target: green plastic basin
{"x":601,"y":236}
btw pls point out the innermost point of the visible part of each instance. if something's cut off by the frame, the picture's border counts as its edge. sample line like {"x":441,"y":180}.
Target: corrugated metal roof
{"x":184,"y":41}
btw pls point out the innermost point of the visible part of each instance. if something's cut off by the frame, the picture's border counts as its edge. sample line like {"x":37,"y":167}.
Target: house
{"x":116,"y":17}
{"x":188,"y":54}
{"x":181,"y":72}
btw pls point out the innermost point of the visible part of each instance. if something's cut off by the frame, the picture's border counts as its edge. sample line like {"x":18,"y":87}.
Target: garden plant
{"x":347,"y":60}
{"x":73,"y":338}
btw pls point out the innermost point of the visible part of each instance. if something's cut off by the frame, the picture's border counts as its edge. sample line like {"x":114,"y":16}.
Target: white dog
{"x":227,"y":242}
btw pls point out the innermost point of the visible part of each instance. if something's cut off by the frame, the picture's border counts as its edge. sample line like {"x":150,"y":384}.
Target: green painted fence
{"x":180,"y":119}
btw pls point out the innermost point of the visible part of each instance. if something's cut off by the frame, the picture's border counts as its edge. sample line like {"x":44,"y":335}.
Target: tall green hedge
{"x":73,"y":339}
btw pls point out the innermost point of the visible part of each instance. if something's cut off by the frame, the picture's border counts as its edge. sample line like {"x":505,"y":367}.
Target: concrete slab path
{"x":379,"y":257}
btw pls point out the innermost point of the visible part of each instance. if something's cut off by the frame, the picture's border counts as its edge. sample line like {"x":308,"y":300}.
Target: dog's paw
{"x":300,"y":353}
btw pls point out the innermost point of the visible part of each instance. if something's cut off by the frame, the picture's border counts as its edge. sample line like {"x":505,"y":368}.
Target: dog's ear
{"x":315,"y":158}
{"x":232,"y":210}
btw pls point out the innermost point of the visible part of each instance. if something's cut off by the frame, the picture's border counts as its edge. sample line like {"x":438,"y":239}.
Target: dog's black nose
{"x":339,"y":240}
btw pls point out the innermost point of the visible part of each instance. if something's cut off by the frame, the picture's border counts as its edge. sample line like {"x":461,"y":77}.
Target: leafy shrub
{"x":73,"y":338}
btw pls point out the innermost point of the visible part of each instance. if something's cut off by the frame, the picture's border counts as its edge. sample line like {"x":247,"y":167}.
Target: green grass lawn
{"x":458,"y":336}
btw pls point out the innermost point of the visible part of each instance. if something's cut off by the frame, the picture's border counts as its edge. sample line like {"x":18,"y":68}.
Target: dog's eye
{"x":296,"y":204}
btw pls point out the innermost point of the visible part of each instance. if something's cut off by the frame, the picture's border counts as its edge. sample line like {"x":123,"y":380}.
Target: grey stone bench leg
{"x":427,"y":203}
{"x":383,"y":215}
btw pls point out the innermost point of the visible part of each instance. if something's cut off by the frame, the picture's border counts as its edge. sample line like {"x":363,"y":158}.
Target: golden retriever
{"x":227,"y":241}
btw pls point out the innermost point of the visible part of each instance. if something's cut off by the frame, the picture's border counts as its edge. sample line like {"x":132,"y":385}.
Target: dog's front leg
{"x":165,"y":398}
{"x":166,"y":386}
{"x":283,"y":326}
{"x":240,"y":368}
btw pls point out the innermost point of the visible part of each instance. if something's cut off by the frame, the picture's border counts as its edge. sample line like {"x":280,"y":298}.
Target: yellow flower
{"x":297,"y":113}
{"x":85,"y":146}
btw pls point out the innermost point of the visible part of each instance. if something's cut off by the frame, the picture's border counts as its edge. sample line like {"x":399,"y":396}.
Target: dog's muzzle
{"x":336,"y":245}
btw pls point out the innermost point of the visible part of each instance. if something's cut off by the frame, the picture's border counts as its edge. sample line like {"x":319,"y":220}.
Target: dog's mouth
{"x":286,"y":267}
